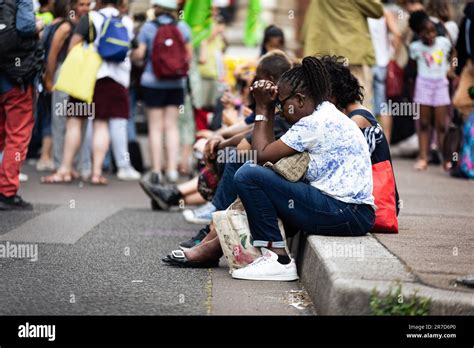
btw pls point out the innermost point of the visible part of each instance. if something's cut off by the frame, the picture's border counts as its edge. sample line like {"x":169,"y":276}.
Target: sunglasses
{"x":280,"y":104}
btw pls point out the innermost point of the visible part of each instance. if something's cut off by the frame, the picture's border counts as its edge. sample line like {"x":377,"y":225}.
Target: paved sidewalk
{"x":434,"y":247}
{"x":436,"y":238}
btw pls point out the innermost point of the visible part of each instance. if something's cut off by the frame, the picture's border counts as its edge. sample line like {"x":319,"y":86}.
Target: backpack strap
{"x":365,"y":114}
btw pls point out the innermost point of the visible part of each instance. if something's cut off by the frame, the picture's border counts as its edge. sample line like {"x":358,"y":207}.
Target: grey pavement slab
{"x":61,"y":225}
{"x":238,"y":297}
{"x":433,"y":248}
{"x":436,"y":226}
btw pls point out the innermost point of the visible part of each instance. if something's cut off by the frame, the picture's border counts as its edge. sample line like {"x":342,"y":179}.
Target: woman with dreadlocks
{"x":335,"y":196}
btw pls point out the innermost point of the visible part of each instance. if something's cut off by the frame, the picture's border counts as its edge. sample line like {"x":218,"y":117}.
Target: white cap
{"x":166,"y":4}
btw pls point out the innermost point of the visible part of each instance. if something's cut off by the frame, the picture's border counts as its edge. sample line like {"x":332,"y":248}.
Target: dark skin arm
{"x":76,"y":39}
{"x":234,"y":141}
{"x":217,"y":143}
{"x":263,"y":139}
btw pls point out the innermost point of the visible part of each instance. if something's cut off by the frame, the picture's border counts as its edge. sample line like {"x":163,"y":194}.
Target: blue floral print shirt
{"x":339,"y":155}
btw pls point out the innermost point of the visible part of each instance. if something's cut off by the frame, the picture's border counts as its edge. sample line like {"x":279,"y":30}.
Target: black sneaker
{"x":156,"y":179}
{"x":164,"y":196}
{"x":153,"y":178}
{"x":155,"y":206}
{"x":203,"y":232}
{"x":435,"y":157}
{"x":14,"y":203}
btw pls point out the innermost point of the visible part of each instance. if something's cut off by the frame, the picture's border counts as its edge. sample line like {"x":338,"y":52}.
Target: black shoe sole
{"x":189,"y":264}
{"x":162,"y":204}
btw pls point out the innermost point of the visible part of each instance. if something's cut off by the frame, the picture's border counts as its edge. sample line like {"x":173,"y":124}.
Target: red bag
{"x":394,"y":82}
{"x":169,"y":58}
{"x":384,"y":194}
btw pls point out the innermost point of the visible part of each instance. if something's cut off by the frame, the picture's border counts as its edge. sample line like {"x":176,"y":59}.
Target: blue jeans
{"x":131,"y":127}
{"x":226,"y":192}
{"x":267,"y":196}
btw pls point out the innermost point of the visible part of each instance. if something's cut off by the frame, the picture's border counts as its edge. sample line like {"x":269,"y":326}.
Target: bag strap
{"x":91,"y":32}
{"x":365,"y":114}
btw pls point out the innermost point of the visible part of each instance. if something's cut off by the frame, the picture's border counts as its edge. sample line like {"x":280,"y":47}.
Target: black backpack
{"x":20,"y":57}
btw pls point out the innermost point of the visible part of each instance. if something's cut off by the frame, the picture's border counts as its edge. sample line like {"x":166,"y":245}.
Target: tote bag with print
{"x":233,"y":230}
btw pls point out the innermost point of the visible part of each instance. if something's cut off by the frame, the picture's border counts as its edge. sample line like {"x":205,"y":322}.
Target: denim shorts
{"x":380,"y":97}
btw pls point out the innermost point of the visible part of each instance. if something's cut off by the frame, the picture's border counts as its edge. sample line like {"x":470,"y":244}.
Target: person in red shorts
{"x":16,"y":95}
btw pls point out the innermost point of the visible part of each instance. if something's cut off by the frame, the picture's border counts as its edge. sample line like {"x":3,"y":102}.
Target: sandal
{"x":99,"y":180}
{"x":178,"y":258}
{"x":447,"y":166}
{"x":421,"y":165}
{"x":57,"y":178}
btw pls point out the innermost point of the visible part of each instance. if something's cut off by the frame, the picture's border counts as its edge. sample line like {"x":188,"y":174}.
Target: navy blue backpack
{"x":114,"y":41}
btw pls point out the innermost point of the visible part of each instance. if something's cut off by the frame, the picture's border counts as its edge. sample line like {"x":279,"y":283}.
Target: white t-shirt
{"x":120,"y":72}
{"x":379,"y":34}
{"x":432,"y":61}
{"x":453,"y":30}
{"x":340,"y":163}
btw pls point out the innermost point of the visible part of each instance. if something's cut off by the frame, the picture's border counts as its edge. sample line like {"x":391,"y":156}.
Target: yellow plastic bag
{"x":79,"y":71}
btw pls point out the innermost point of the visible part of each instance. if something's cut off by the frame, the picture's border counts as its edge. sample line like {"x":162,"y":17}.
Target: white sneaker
{"x":172,"y":176}
{"x":201,"y":215}
{"x":267,"y":267}
{"x":406,"y":148}
{"x":23,"y":177}
{"x":128,"y":174}
{"x":44,"y":166}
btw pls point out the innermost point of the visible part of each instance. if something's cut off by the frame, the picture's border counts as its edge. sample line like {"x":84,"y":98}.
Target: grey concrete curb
{"x":341,"y":273}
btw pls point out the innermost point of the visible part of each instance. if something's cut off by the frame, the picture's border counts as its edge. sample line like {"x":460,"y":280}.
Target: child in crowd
{"x":431,"y":54}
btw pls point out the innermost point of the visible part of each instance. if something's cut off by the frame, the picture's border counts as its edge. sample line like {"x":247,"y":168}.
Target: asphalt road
{"x":99,"y":252}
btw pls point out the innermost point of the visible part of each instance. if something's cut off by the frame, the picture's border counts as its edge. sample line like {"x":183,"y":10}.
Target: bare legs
{"x":427,"y":115}
{"x":208,"y":250}
{"x":100,"y":146}
{"x":46,"y":149}
{"x":155,"y":136}
{"x":424,"y":136}
{"x":172,"y":137}
{"x":441,"y":114}
{"x":163,"y":122}
{"x":190,"y":193}
{"x":72,"y":143}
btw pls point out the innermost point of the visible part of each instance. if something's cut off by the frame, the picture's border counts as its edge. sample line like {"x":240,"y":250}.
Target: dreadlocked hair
{"x":311,"y":77}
